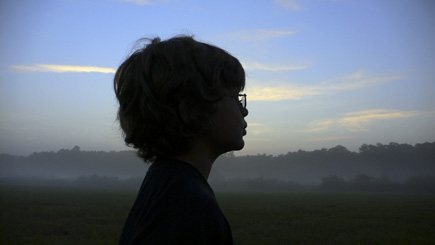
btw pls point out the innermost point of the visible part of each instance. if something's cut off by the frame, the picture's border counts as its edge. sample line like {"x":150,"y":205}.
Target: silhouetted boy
{"x":180,"y":107}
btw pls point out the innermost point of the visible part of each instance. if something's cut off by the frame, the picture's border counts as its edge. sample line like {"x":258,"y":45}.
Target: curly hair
{"x":168,"y":90}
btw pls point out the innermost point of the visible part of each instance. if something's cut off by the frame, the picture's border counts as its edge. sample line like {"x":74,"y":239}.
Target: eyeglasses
{"x":241,"y":98}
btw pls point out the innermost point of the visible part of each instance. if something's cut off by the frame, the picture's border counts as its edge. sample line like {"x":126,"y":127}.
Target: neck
{"x":200,"y":157}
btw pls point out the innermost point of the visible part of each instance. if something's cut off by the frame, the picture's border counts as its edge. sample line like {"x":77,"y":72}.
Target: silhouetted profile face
{"x":167,"y":92}
{"x":229,"y":125}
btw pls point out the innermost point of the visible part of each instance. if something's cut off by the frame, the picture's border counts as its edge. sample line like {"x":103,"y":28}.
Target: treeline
{"x":395,"y":162}
{"x":72,"y":163}
{"x":360,"y":183}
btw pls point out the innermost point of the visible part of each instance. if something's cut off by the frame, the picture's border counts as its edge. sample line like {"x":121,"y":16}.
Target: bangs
{"x":233,"y":75}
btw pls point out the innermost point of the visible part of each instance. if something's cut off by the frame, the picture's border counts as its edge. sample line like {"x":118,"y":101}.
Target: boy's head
{"x":168,"y":90}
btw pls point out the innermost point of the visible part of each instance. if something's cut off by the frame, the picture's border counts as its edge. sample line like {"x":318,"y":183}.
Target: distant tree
{"x":229,"y":154}
{"x":62,"y":151}
{"x":339,"y":148}
{"x":367,"y":149}
{"x":76,"y":148}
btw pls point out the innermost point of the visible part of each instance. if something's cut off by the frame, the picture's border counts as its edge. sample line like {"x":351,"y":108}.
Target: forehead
{"x":233,"y":77}
{"x":232,"y":90}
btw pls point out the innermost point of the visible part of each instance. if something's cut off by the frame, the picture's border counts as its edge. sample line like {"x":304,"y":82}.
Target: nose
{"x":245,"y":112}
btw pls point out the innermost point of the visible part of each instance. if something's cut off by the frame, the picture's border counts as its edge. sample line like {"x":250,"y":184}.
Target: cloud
{"x":354,"y":81}
{"x":357,"y":80}
{"x":262,"y":93}
{"x":290,"y":4}
{"x":62,"y":68}
{"x":253,"y":65}
{"x":359,"y":121}
{"x":255,"y":124}
{"x":261,"y":34}
{"x":330,"y":138}
{"x":258,"y":128}
{"x":318,"y":126}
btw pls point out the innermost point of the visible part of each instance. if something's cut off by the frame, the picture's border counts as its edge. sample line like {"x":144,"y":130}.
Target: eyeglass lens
{"x":242,"y":99}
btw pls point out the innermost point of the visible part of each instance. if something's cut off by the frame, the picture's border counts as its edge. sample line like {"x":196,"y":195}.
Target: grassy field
{"x":35,"y":215}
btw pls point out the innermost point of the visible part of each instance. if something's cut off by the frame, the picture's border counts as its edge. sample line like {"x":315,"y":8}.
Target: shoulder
{"x":179,"y":206}
{"x":181,"y":182}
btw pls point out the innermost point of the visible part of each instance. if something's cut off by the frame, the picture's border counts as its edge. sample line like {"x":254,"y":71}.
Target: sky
{"x":320,"y":73}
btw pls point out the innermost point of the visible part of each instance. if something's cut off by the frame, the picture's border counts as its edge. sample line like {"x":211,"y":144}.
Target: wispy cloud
{"x":318,"y":126}
{"x":330,"y":138}
{"x":258,"y":128}
{"x":357,"y":80}
{"x":359,"y":121}
{"x":62,"y":68}
{"x":255,"y":124}
{"x":262,"y":93}
{"x":254,"y":65}
{"x":261,"y":34}
{"x":290,"y":4}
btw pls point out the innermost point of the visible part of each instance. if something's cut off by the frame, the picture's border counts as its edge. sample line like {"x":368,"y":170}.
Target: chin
{"x":239,"y":146}
{"x":233,"y":145}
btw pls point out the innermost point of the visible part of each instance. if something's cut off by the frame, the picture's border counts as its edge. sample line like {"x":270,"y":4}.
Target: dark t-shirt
{"x":175,"y":205}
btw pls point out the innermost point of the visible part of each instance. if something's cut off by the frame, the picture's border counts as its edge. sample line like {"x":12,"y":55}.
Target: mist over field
{"x":390,"y":166}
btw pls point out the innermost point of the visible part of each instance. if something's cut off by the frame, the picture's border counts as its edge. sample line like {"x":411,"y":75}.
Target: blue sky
{"x":319,"y":73}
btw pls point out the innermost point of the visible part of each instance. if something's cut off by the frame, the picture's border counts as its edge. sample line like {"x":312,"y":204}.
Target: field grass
{"x":328,"y":218}
{"x":50,"y":215}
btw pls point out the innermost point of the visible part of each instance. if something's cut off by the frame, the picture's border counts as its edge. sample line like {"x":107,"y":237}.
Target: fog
{"x":390,"y":167}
